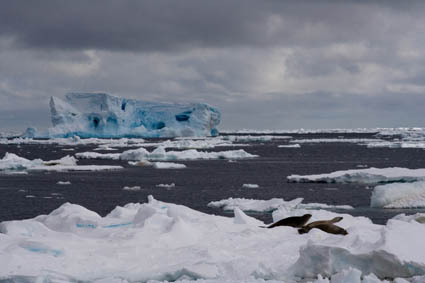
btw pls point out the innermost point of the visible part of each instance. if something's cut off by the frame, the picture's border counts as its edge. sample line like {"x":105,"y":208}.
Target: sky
{"x":263,"y":64}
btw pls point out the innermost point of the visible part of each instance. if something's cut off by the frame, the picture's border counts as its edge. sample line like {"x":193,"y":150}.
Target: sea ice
{"x":12,"y":162}
{"x":399,"y":195}
{"x":168,"y":165}
{"x":103,"y":115}
{"x":289,"y":146}
{"x":367,"y":176}
{"x":63,"y":183}
{"x":172,"y":185}
{"x":164,"y":241}
{"x":134,"y":188}
{"x":161,"y":154}
{"x":271,"y":204}
{"x":250,"y":186}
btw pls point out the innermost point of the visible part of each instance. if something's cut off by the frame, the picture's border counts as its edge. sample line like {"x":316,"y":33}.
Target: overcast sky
{"x":263,"y":64}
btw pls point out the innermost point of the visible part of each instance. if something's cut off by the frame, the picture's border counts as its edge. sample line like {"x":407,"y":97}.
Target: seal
{"x":293,"y":221}
{"x":325,"y":225}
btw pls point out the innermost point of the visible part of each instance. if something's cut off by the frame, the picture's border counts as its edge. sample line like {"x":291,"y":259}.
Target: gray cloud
{"x":175,"y":25}
{"x":265,"y":64}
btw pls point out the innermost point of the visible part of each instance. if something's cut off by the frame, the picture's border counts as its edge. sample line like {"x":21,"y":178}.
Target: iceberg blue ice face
{"x":105,"y":116}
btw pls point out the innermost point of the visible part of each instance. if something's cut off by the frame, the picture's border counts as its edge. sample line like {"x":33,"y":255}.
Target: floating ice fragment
{"x":367,"y":176}
{"x":168,"y":165}
{"x":250,"y":186}
{"x":134,"y":188}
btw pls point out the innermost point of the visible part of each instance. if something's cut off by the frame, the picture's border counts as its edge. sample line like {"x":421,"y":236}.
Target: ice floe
{"x":133,"y":188}
{"x":161,"y":154}
{"x":168,"y":165}
{"x":367,"y":176}
{"x":13,"y":162}
{"x":63,"y":183}
{"x":338,"y":140}
{"x":172,"y":185}
{"x":256,"y":138}
{"x":399,"y":195}
{"x":164,"y":241}
{"x":289,"y":145}
{"x":273,"y":204}
{"x":250,"y":186}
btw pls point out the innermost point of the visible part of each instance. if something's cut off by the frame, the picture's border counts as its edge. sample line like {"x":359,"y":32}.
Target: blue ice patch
{"x":80,"y":225}
{"x":117,"y":225}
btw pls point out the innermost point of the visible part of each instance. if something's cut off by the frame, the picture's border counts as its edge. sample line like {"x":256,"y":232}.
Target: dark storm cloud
{"x":159,"y":25}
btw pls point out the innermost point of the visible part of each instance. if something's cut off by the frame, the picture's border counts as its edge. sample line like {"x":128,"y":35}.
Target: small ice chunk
{"x":399,"y":195}
{"x":250,"y":186}
{"x":168,"y":165}
{"x":172,"y":185}
{"x":63,"y":183}
{"x":134,"y":188}
{"x":289,"y":145}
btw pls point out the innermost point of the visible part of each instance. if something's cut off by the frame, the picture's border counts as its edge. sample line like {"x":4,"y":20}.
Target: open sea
{"x":26,"y":196}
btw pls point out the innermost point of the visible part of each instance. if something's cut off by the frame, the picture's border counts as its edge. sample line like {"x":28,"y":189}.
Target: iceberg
{"x":106,"y":116}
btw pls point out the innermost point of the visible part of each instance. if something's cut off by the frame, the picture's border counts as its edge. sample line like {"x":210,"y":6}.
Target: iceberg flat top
{"x":105,"y":116}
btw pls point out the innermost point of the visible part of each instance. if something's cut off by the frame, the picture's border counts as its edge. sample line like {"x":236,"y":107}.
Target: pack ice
{"x":102,"y":115}
{"x":159,"y":241}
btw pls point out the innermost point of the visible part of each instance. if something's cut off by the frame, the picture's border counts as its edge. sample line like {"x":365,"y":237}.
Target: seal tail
{"x":336,"y":219}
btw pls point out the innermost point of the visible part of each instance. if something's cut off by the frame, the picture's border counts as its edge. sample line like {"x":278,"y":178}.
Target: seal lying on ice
{"x":324,"y":225}
{"x":293,"y":221}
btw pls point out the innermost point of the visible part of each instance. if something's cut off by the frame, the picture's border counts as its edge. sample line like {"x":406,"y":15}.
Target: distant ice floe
{"x":172,"y":185}
{"x":168,"y":165}
{"x":306,"y":131}
{"x":134,"y":188}
{"x":366,"y":176}
{"x":12,"y":162}
{"x":338,"y":140}
{"x":161,"y":154}
{"x":257,"y":138}
{"x":273,"y":204}
{"x":250,"y":186}
{"x":74,"y":244}
{"x":289,"y":145}
{"x":399,"y":195}
{"x":63,"y":183}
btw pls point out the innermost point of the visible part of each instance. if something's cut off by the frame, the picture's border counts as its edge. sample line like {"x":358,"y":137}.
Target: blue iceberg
{"x":106,"y":116}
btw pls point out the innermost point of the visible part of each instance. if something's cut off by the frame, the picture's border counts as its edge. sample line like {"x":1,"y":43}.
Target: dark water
{"x":205,"y":181}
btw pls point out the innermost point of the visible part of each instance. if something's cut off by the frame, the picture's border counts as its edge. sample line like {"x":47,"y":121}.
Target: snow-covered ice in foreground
{"x":399,"y":195}
{"x":250,"y":186}
{"x":13,"y":162}
{"x":164,"y":241}
{"x":161,"y":154}
{"x":273,"y":204}
{"x":63,"y":183}
{"x":172,"y":185}
{"x":168,"y":165}
{"x":367,"y":176}
{"x":103,"y":115}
